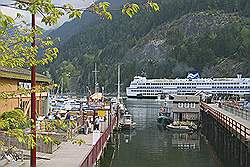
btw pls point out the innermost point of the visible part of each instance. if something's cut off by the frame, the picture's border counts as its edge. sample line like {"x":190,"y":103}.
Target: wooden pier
{"x":235,"y":124}
{"x":228,"y":132}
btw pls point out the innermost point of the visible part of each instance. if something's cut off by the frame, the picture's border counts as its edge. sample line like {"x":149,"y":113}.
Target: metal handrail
{"x":243,"y":113}
{"x":233,"y":126}
{"x":92,"y":156}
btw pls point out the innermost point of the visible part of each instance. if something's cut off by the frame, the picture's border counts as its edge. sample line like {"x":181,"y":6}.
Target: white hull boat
{"x":127,"y":122}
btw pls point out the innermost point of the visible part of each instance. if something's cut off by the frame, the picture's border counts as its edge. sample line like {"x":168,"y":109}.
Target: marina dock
{"x":71,"y":155}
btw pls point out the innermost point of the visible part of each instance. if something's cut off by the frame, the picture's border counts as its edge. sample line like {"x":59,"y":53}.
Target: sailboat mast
{"x":95,"y":71}
{"x":118,"y":85}
{"x":62,"y":87}
{"x":95,"y":79}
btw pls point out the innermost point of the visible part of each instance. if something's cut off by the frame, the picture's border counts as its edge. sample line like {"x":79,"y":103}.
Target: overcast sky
{"x":75,"y":3}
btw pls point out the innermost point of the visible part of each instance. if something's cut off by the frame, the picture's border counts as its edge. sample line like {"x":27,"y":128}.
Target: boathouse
{"x":11,"y":80}
{"x":186,"y":108}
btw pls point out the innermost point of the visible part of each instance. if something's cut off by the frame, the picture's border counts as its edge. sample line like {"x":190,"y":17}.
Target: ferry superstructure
{"x":141,"y":87}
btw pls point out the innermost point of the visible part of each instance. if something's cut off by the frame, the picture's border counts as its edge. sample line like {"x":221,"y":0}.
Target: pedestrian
{"x":67,"y":119}
{"x":97,"y":122}
{"x":67,"y":116}
{"x":86,"y":127}
{"x":58,"y":116}
{"x":51,"y":116}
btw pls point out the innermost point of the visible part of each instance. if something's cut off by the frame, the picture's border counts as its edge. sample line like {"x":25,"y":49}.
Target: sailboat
{"x":126,"y":121}
{"x":119,"y":100}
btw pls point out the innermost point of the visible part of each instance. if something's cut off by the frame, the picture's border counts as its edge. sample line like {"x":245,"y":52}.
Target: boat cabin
{"x":127,"y":119}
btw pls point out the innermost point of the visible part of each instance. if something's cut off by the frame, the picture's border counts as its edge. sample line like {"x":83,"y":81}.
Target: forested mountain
{"x":208,"y":36}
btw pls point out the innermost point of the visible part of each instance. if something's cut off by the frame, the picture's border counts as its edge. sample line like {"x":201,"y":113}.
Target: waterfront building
{"x":186,"y":108}
{"x":141,"y":87}
{"x":11,"y":79}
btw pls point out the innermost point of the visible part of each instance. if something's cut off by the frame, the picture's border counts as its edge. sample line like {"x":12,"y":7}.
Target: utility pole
{"x":33,"y":99}
{"x":95,"y":72}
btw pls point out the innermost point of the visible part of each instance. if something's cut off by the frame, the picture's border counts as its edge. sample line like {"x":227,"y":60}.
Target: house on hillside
{"x":13,"y":78}
{"x":186,"y":108}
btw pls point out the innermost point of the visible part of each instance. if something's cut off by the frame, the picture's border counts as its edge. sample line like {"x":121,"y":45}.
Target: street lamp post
{"x":33,"y":99}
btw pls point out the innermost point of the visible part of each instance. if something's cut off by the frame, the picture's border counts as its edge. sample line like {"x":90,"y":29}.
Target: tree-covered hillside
{"x":209,"y":36}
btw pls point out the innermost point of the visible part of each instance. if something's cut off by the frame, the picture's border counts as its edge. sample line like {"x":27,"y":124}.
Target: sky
{"x":27,"y":17}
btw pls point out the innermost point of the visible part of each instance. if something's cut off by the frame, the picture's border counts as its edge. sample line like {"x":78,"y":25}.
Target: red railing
{"x":239,"y":130}
{"x":93,"y":155}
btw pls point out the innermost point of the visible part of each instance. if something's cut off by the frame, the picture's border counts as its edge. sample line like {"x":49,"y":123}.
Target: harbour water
{"x":150,"y":146}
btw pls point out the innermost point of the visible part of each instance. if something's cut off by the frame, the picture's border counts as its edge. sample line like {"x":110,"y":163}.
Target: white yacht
{"x":141,"y":87}
{"x":127,"y":122}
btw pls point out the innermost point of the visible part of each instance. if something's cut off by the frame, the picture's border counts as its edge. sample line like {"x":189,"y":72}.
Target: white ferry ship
{"x":141,"y":87}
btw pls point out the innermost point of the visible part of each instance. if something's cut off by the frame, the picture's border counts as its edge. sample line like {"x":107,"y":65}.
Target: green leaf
{"x":10,"y":19}
{"x":108,"y":15}
{"x":71,"y":15}
{"x":4,"y":23}
{"x":135,"y":7}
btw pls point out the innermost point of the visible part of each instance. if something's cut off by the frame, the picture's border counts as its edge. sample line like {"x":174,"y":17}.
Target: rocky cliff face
{"x":161,"y":40}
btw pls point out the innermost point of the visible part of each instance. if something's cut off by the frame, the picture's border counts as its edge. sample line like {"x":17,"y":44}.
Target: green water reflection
{"x":150,"y":146}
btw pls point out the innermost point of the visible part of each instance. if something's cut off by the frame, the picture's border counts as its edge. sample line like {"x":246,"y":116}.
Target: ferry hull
{"x":141,"y":87}
{"x":143,"y":97}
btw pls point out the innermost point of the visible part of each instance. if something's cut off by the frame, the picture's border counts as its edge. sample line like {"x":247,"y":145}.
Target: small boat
{"x":127,"y":122}
{"x":182,"y":126}
{"x":179,"y":128}
{"x":122,"y":108}
{"x":113,"y":100}
{"x":164,"y":120}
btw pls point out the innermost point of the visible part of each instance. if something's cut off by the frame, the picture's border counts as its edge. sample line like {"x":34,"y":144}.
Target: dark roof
{"x":187,"y":98}
{"x":21,"y":74}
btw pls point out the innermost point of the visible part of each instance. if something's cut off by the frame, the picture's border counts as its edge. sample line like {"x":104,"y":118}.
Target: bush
{"x":13,"y":119}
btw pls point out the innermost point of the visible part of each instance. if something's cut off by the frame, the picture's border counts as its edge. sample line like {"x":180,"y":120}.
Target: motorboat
{"x":113,"y":100}
{"x":122,"y":108}
{"x":127,"y":122}
{"x":179,"y":128}
{"x":184,"y":126}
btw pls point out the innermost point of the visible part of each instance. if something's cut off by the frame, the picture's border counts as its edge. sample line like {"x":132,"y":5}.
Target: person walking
{"x":67,"y":119}
{"x":97,"y":122}
{"x":58,"y":115}
{"x":86,"y":127}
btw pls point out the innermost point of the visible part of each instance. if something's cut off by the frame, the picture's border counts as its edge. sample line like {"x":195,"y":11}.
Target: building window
{"x":180,"y":105}
{"x":24,"y":85}
{"x":192,"y":105}
{"x":186,"y":105}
